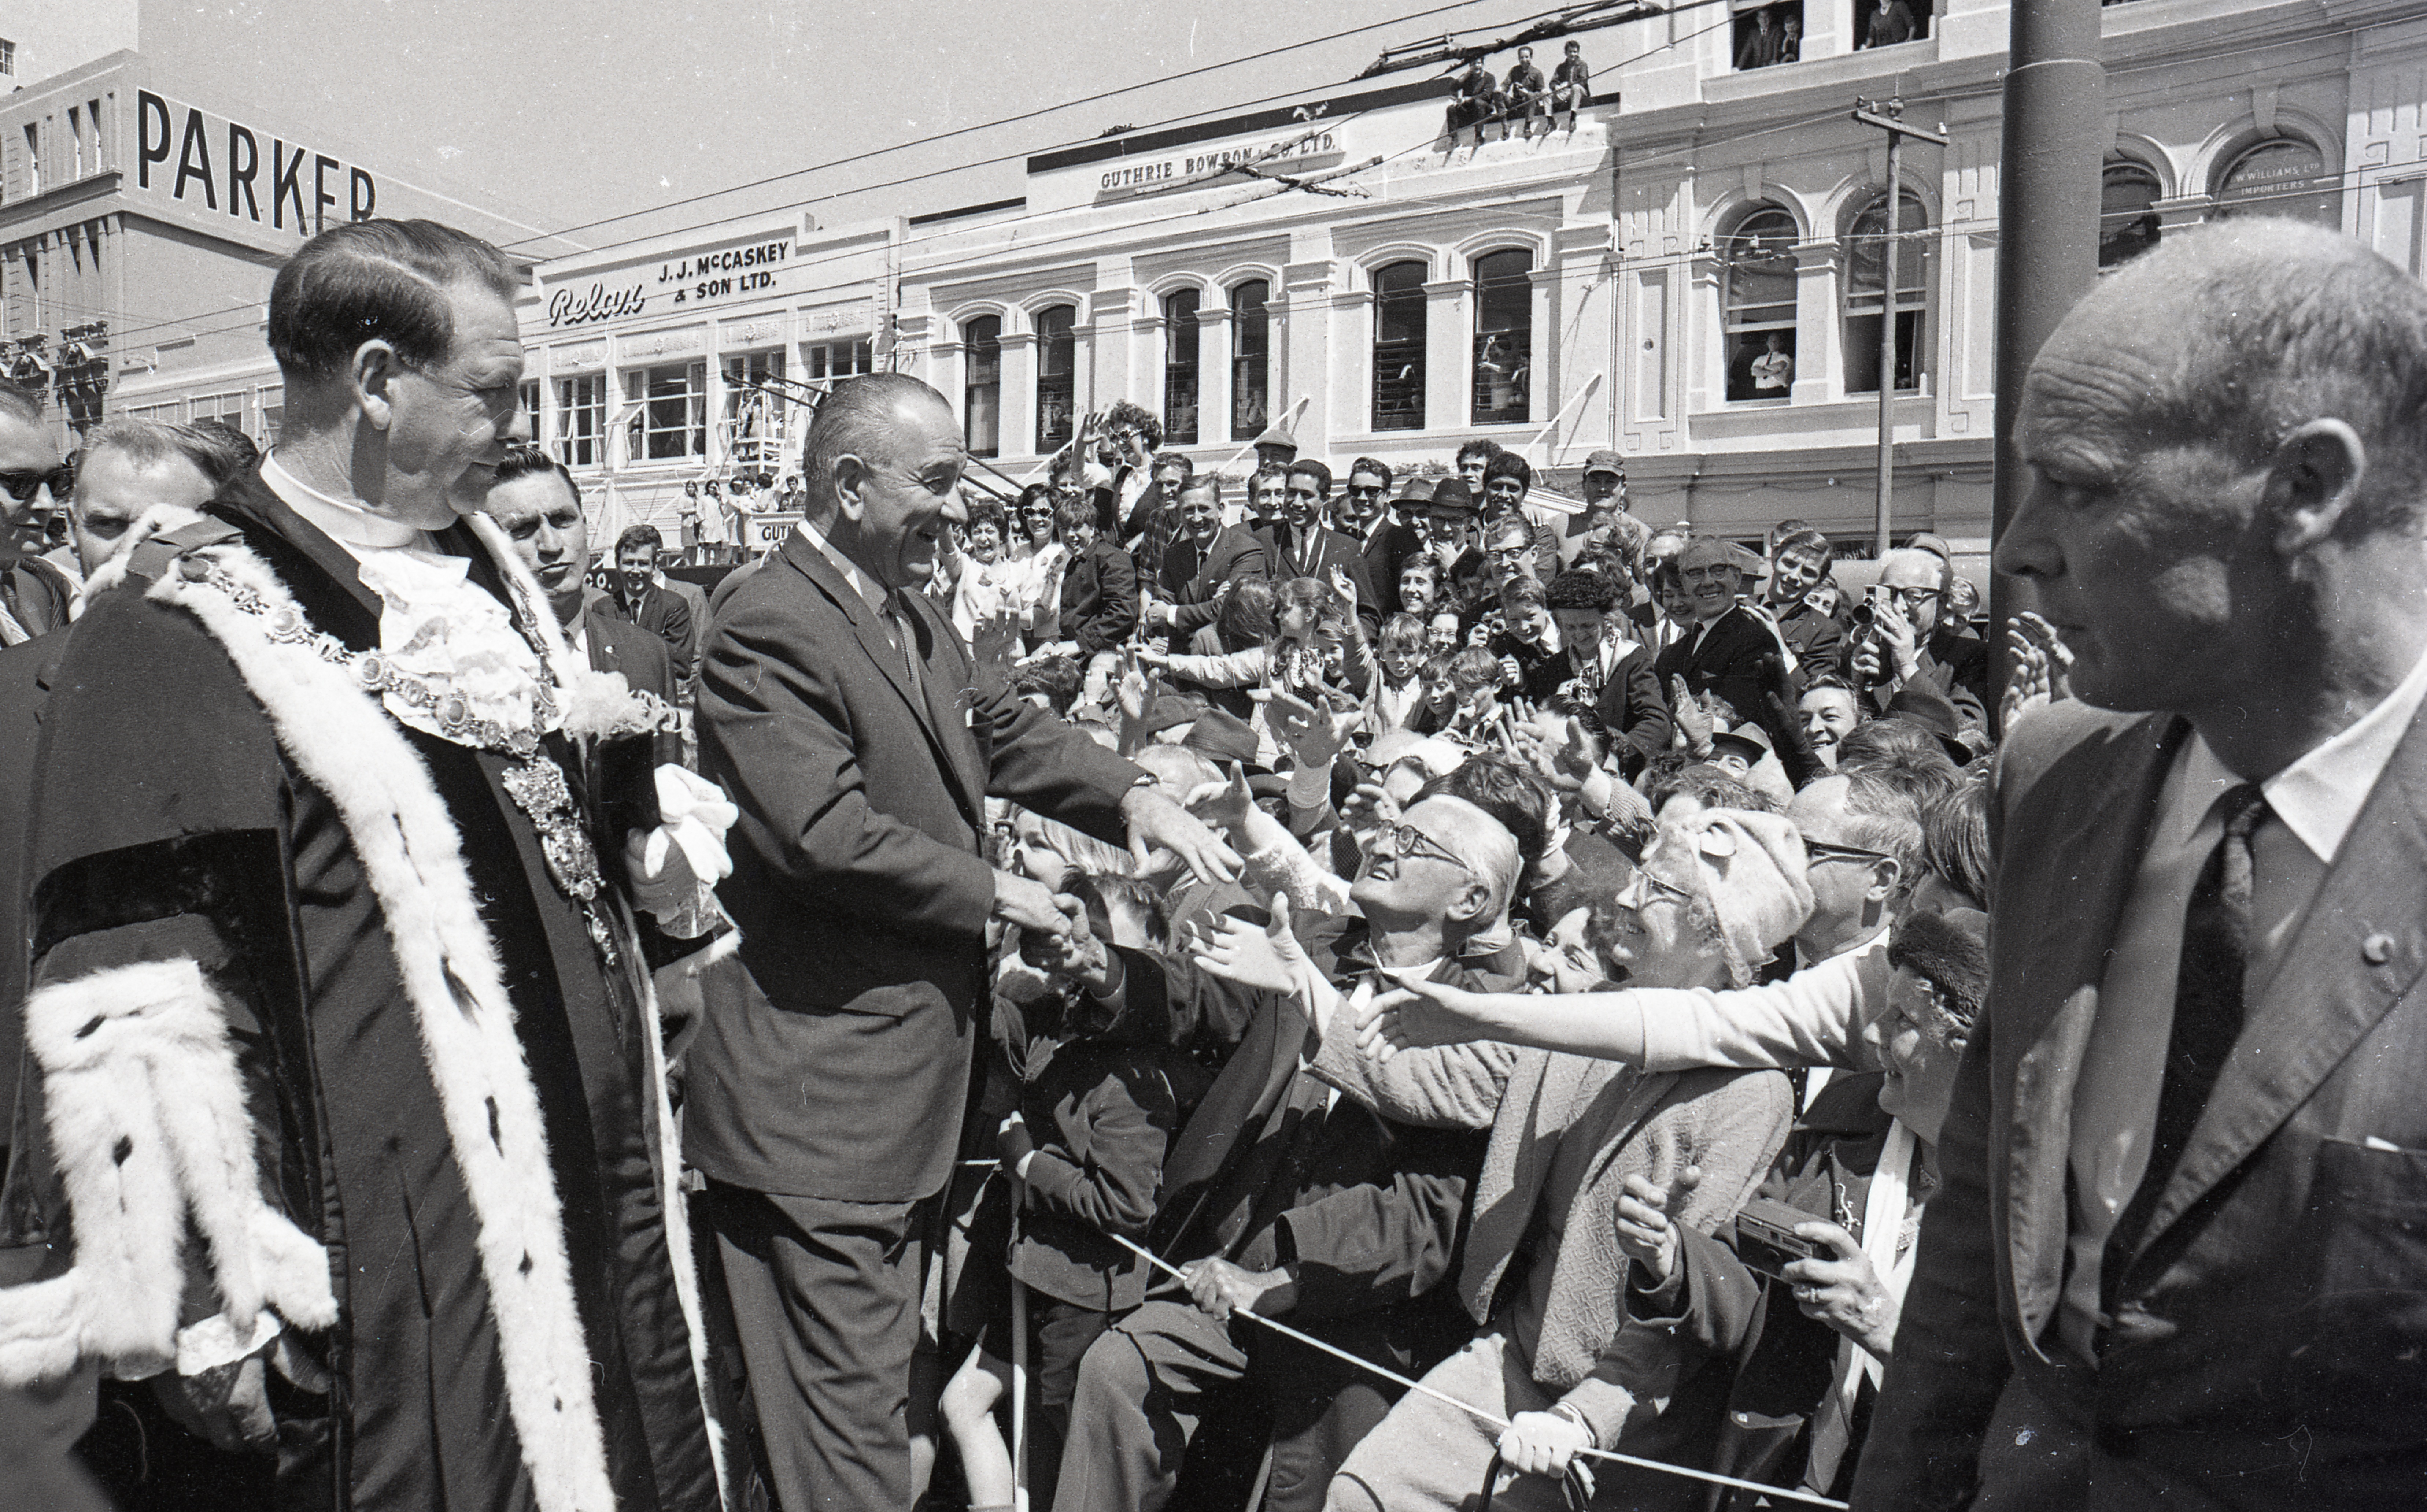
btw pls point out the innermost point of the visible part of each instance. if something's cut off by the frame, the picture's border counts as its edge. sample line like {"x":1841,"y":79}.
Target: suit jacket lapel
{"x":813,"y":563}
{"x":2047,"y":997}
{"x":948,"y":706}
{"x":2326,"y":995}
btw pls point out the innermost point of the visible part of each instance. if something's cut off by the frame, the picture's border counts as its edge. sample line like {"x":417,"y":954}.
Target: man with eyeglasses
{"x":1910,"y":641}
{"x":1285,"y":1198}
{"x":35,"y":595}
{"x":1300,"y":547}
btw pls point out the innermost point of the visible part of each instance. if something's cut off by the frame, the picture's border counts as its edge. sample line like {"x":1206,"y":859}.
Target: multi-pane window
{"x":165,"y":412}
{"x":582,"y":420}
{"x":753,"y":407}
{"x":270,"y":414}
{"x":531,"y":408}
{"x":1057,"y":375}
{"x":2127,"y":220}
{"x":1504,"y":337}
{"x":1251,"y":349}
{"x":1866,"y":264}
{"x":1179,"y":366}
{"x":2282,"y":176}
{"x":840,"y":359}
{"x":1399,"y":347}
{"x":1757,"y":285}
{"x":672,"y":422}
{"x":8,"y":57}
{"x":33,"y":158}
{"x":982,"y":390}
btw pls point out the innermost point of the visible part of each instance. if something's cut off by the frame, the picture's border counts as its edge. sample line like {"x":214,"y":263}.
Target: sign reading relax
{"x":207,"y":162}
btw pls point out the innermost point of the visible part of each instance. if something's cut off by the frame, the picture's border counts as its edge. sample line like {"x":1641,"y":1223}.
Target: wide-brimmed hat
{"x":1222,"y":735}
{"x":1925,"y":705}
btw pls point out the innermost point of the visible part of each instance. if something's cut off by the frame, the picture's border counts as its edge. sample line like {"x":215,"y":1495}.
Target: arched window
{"x":982,"y":391}
{"x":1866,"y":260}
{"x":1504,"y":338}
{"x":2282,"y":176}
{"x":1057,"y":375}
{"x":1180,"y":367}
{"x":1757,"y":285}
{"x":2127,"y":224}
{"x":1399,"y":347}
{"x":1251,"y":348}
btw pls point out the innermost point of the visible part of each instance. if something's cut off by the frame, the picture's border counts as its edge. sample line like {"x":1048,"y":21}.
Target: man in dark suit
{"x":538,"y":505}
{"x":1099,"y":589}
{"x":2178,"y":1257}
{"x":1202,"y":560}
{"x":639,"y":598}
{"x":1911,"y":640}
{"x":826,"y":1090}
{"x":1299,"y":546}
{"x":1365,"y":515}
{"x":1725,"y":650}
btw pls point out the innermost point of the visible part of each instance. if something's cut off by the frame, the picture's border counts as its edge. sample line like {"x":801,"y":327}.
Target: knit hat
{"x":1750,"y":867}
{"x":1950,"y":951}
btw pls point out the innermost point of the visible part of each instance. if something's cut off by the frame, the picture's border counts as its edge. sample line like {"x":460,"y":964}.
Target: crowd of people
{"x":1162,"y":993}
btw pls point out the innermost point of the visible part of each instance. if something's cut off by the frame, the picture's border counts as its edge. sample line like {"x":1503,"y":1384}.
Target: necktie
{"x":900,"y":615}
{"x":2208,"y":1011}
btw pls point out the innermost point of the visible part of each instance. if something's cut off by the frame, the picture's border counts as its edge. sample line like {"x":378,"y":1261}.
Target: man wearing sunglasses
{"x":1364,"y":517}
{"x":35,"y":594}
{"x":1912,"y":640}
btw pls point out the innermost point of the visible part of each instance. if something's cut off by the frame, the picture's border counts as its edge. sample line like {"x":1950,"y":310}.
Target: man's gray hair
{"x":218,"y":455}
{"x":855,"y":421}
{"x":2285,"y":323}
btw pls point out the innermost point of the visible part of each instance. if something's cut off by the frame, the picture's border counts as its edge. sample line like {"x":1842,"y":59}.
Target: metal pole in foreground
{"x":1889,"y":116}
{"x":2048,"y":223}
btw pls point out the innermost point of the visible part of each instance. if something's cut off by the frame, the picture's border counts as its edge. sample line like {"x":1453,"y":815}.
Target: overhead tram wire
{"x":2345,"y":177}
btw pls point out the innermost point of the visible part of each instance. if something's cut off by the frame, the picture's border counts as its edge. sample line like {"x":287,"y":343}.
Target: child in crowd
{"x":1081,"y":1159}
{"x":1529,"y":648}
{"x":1316,"y":648}
{"x":1398,"y":694}
{"x":1464,"y":703}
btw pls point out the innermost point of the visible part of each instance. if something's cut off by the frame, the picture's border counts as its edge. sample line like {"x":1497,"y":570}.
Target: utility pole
{"x":2047,"y":225}
{"x":1888,"y":115}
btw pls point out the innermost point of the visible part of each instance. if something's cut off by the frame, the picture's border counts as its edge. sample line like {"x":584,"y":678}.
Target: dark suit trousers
{"x":1145,"y":1388}
{"x":825,"y":1302}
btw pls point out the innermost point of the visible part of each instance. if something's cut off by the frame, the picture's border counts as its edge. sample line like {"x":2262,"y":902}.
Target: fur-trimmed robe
{"x":174,"y":822}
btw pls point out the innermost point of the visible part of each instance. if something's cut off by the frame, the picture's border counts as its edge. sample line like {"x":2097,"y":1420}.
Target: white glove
{"x":675,"y":868}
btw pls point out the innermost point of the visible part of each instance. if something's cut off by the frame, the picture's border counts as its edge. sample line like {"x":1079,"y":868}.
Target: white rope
{"x":1447,"y":1400}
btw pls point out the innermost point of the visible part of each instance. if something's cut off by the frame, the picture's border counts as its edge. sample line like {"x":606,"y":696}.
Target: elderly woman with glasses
{"x":1565,"y":1353}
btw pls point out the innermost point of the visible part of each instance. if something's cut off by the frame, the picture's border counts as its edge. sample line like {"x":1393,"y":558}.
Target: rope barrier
{"x":1713,"y":1477}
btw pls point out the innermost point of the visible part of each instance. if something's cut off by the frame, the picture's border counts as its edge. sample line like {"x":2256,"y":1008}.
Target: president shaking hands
{"x":850,"y":725}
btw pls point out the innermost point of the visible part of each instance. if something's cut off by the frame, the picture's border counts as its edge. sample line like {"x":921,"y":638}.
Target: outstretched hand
{"x":1417,"y":1013}
{"x":1155,"y":820}
{"x":1266,"y":957}
{"x":1225,"y":805}
{"x":1693,"y":720}
{"x":1316,"y":736}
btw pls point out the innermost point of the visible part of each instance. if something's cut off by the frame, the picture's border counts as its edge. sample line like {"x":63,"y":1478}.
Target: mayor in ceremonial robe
{"x":347,"y":1055}
{"x":859,"y":739}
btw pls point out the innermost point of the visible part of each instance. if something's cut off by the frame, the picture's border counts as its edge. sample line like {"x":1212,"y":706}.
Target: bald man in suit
{"x":2179,"y":1255}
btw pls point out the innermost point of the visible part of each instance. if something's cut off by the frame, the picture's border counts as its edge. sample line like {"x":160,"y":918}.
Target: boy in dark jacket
{"x":1081,"y":1159}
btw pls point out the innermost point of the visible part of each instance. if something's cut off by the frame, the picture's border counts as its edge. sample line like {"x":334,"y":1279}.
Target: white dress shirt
{"x":2311,"y":806}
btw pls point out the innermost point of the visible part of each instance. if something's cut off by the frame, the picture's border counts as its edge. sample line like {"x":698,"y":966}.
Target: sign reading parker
{"x":209,"y":162}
